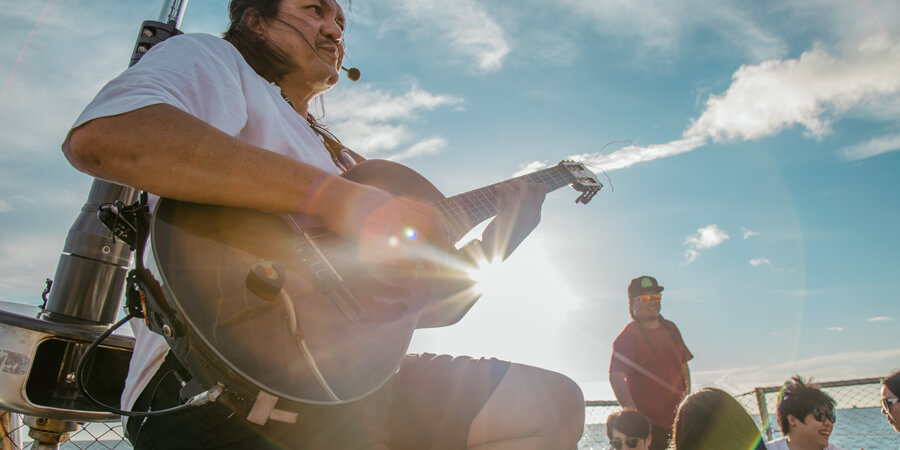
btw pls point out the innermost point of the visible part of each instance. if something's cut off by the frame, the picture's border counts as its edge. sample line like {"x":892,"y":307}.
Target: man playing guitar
{"x":225,"y":122}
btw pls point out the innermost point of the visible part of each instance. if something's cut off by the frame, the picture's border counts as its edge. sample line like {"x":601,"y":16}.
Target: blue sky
{"x":749,"y":149}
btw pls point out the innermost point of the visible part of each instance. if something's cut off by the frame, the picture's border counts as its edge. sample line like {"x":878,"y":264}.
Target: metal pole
{"x":90,"y":277}
{"x":172,"y":12}
{"x":763,"y":412}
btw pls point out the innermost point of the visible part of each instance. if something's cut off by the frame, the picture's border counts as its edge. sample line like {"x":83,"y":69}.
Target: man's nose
{"x":333,"y":31}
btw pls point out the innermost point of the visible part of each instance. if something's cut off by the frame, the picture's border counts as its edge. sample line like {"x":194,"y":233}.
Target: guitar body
{"x":272,"y":303}
{"x":281,"y":313}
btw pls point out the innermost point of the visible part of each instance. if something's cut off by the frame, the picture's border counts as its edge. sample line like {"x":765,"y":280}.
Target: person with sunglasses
{"x":648,"y":370}
{"x":806,"y":417}
{"x":628,"y":429}
{"x":890,"y":405}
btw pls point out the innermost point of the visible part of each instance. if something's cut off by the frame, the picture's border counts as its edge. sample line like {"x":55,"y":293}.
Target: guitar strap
{"x":343,"y":157}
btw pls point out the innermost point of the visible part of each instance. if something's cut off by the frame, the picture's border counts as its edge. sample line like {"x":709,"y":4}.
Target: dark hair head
{"x":893,"y":382}
{"x":798,"y":399}
{"x":266,"y":59}
{"x":710,"y":419}
{"x":643,"y":284}
{"x":629,"y":422}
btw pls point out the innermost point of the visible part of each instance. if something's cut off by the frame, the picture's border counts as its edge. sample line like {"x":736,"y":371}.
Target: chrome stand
{"x":49,"y":433}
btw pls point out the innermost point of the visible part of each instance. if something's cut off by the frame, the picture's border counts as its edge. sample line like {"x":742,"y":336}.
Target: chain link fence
{"x":860,"y":424}
{"x":89,"y":435}
{"x":595,"y":414}
{"x":859,"y":421}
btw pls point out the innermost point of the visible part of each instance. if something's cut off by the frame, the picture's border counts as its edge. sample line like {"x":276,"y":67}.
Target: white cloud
{"x":374,"y":122}
{"x":631,"y":155}
{"x":764,"y":99}
{"x":835,"y":328}
{"x":837,"y":366}
{"x":881,"y":319}
{"x":368,"y":104}
{"x":706,"y":237}
{"x":5,"y":206}
{"x":872,"y":147}
{"x":467,"y":27}
{"x":426,"y":147}
{"x":533,"y":166}
{"x":749,"y":233}
{"x":661,"y":28}
{"x":810,"y":91}
{"x":755,"y":262}
{"x":370,"y":139}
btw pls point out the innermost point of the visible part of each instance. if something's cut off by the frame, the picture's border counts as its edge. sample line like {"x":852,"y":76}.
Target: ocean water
{"x":858,"y":428}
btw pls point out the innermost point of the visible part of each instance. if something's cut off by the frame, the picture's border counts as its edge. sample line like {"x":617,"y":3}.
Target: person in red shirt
{"x":649,"y":370}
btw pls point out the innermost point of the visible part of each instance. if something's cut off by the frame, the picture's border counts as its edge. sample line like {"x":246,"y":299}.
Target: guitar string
{"x":459,"y":212}
{"x":483,"y":202}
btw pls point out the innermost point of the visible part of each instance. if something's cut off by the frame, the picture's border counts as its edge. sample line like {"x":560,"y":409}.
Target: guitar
{"x":279,"y":310}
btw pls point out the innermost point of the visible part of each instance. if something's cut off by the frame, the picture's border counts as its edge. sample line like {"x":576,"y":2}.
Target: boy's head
{"x":628,"y":429}
{"x":805,"y":413}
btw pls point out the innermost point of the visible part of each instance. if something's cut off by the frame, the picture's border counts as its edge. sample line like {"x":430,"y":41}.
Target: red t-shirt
{"x":652,"y":359}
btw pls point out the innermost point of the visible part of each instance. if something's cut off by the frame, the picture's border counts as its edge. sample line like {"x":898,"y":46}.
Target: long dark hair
{"x":267,"y":60}
{"x":711,"y":419}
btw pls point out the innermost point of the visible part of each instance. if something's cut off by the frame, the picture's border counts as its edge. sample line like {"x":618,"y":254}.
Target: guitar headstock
{"x":583,"y":180}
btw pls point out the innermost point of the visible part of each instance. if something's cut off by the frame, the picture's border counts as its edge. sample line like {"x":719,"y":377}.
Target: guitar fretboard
{"x":464,"y":211}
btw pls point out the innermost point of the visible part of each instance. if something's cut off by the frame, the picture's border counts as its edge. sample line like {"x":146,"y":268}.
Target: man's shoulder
{"x":196,"y":53}
{"x":668,"y":323}
{"x":629,"y":329}
{"x":629,"y":332}
{"x":197,"y":41}
{"x":200,"y":48}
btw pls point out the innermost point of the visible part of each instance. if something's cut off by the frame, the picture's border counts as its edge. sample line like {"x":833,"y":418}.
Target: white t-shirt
{"x":781,"y":444}
{"x":208,"y":78}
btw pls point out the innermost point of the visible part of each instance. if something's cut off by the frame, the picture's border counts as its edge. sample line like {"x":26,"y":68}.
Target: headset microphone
{"x":352,"y":73}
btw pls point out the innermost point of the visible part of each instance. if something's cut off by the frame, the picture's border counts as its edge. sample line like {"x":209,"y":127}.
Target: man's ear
{"x":649,"y":440}
{"x":252,"y":20}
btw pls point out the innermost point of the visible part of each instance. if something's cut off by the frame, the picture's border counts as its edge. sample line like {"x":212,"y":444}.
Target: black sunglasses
{"x":821,"y":414}
{"x":889,"y":402}
{"x":630,"y":442}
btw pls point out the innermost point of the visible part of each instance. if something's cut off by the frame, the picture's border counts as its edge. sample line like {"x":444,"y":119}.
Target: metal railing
{"x":860,"y":423}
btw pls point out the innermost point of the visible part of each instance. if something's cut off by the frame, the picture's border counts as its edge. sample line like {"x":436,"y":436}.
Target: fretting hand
{"x":519,"y":212}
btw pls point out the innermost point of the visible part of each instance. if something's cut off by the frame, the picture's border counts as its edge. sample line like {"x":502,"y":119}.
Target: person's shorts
{"x":429,"y":404}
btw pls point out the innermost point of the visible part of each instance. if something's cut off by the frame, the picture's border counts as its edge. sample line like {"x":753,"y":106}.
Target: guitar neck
{"x":463,"y":211}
